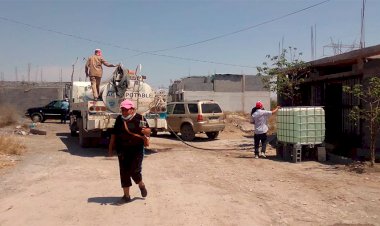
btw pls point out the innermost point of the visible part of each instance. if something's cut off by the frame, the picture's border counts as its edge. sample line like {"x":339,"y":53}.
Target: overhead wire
{"x":67,"y":34}
{"x":237,"y":31}
{"x":154,"y":53}
{"x":118,"y":46}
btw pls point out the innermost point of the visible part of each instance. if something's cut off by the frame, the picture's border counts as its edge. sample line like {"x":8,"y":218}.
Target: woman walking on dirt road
{"x":129,"y":137}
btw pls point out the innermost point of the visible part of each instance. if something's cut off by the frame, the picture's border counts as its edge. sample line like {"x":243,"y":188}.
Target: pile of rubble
{"x":23,"y":131}
{"x":240,"y":121}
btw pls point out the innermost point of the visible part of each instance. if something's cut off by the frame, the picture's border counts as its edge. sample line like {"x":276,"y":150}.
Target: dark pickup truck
{"x":51,"y":111}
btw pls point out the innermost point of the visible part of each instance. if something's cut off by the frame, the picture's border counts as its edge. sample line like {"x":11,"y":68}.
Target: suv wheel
{"x":187,"y":133}
{"x":154,"y":132}
{"x":212,"y":135}
{"x":37,"y":117}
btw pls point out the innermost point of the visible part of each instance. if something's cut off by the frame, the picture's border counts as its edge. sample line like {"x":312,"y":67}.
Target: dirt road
{"x":58,"y":183}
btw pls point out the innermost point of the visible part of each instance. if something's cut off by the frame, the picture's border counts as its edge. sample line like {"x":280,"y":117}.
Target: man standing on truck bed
{"x":94,"y":70}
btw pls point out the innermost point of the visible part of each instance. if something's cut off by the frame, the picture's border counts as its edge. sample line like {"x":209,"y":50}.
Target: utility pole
{"x":72,"y":79}
{"x":29,"y":67}
{"x":243,"y":93}
{"x":313,"y":42}
{"x":312,"y":45}
{"x":362,"y":32}
{"x":36,"y":75}
{"x":16,"y":74}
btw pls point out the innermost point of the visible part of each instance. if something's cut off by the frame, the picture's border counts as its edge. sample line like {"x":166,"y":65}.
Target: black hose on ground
{"x":207,"y":149}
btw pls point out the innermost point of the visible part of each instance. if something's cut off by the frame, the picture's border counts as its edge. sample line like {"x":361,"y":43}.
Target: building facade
{"x":234,"y":93}
{"x":323,"y":86}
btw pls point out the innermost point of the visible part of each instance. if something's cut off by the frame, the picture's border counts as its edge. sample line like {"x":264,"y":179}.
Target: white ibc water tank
{"x":304,"y":125}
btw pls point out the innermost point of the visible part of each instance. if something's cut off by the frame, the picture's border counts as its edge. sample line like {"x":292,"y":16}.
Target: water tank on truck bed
{"x":93,"y":119}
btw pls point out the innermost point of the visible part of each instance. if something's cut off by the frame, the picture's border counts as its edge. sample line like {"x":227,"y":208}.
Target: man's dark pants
{"x":64,"y":116}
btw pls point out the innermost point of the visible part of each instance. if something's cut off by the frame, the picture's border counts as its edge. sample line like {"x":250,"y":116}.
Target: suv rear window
{"x":193,"y":108}
{"x":179,"y":109}
{"x":211,"y":108}
{"x":169,"y":108}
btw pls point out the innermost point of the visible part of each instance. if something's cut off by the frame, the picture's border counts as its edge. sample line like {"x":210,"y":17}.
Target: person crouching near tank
{"x":129,"y":135}
{"x":260,"y":120}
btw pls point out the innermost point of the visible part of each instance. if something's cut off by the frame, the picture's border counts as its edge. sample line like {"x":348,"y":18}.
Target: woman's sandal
{"x":123,"y":200}
{"x":126,"y":198}
{"x":143,"y":190}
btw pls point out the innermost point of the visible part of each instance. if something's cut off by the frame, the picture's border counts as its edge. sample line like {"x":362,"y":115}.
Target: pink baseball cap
{"x":127,"y":104}
{"x":259,"y":105}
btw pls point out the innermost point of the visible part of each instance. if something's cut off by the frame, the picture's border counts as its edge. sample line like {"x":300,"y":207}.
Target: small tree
{"x":284,"y":74}
{"x":370,"y":96}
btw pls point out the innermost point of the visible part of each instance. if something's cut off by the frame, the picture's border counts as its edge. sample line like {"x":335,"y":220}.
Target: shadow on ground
{"x":250,"y":155}
{"x":110,"y":200}
{"x":73,"y":147}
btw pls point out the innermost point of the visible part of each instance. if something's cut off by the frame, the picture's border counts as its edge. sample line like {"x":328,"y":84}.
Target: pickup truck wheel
{"x":36,"y":117}
{"x":73,"y":133}
{"x":187,"y":133}
{"x":154,"y":133}
{"x":212,"y":135}
{"x":73,"y":128}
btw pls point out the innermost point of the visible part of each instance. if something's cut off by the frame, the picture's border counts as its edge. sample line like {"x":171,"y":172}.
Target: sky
{"x":172,"y":39}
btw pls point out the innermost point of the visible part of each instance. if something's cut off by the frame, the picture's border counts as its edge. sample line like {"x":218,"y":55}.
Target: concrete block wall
{"x":232,"y":101}
{"x":23,"y":98}
{"x":228,"y":83}
{"x":254,"y":83}
{"x":227,"y":89}
{"x":228,"y":77}
{"x":199,"y":87}
{"x":251,"y":97}
{"x":219,"y":83}
{"x":201,"y":83}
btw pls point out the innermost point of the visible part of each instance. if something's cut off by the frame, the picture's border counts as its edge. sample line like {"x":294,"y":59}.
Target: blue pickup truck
{"x":53,"y":110}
